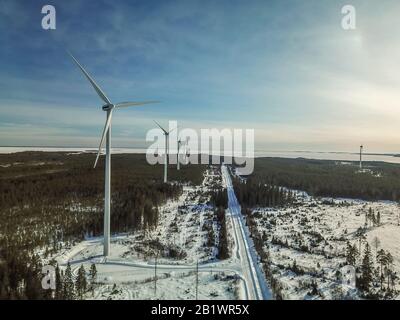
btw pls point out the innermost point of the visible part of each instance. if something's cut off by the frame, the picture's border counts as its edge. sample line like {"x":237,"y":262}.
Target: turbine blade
{"x":172,"y":130}
{"x":131,"y":104}
{"x":91,"y":80}
{"x":106,"y":126}
{"x":160,"y":127}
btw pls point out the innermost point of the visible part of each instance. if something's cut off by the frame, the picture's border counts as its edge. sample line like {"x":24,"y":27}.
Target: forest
{"x":379,"y":180}
{"x":219,"y":198}
{"x":253,"y":193}
{"x":49,"y":198}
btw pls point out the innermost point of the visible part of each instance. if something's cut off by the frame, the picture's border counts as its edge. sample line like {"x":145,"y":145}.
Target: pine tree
{"x":81,"y":283}
{"x":370,"y":214}
{"x":361,"y":237}
{"x":93,"y":276}
{"x":376,"y":243}
{"x":366,"y":270}
{"x":393,"y":278}
{"x":33,"y":286}
{"x":383,"y":261}
{"x":93,"y":273}
{"x":351,"y":254}
{"x":389,"y":259}
{"x":373,"y":220}
{"x":69,"y":288}
{"x":4,"y":284}
{"x":59,"y":284}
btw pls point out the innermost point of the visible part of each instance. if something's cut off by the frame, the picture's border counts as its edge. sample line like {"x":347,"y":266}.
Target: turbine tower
{"x":361,"y":149}
{"x":166,"y":134}
{"x":109,"y":108}
{"x":180,"y":143}
{"x":187,"y":151}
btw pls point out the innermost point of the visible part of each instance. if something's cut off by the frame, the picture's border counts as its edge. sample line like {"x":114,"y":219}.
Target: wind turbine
{"x":180,"y":143}
{"x":177,"y":154}
{"x":109,"y":108}
{"x":187,"y":151}
{"x":361,"y":149}
{"x":166,"y":134}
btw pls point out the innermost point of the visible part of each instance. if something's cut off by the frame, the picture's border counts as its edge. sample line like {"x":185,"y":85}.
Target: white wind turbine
{"x":179,"y":143}
{"x":109,"y":108}
{"x":166,"y":135}
{"x":187,"y":151}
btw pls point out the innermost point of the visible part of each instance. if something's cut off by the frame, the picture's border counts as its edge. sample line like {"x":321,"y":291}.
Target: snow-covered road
{"x":256,"y":286}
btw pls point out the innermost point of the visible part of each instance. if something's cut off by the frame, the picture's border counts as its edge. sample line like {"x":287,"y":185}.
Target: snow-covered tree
{"x":367,"y":270}
{"x":69,"y":288}
{"x":81,"y":283}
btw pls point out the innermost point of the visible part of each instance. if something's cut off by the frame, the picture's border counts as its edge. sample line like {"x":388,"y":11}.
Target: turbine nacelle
{"x":108,"y":107}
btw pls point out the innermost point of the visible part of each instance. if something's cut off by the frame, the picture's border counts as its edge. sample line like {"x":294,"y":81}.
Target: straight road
{"x":256,"y":285}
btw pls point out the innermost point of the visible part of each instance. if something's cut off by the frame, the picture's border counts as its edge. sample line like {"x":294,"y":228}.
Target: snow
{"x":324,"y":229}
{"x":128,"y":273}
{"x":323,"y":225}
{"x":120,"y":277}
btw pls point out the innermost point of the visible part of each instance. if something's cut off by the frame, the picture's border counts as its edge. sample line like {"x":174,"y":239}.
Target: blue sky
{"x":285,"y":68}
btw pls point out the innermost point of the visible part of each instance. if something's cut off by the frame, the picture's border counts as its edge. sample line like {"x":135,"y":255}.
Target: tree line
{"x":68,"y":288}
{"x":331,"y":178}
{"x":219,"y":198}
{"x":253,"y":192}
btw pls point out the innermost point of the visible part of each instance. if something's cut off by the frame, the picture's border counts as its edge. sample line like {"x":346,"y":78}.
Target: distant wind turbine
{"x":166,"y":135}
{"x":187,"y":151}
{"x":180,"y":143}
{"x":109,"y":108}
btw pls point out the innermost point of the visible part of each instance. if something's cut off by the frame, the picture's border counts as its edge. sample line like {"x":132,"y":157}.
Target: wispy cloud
{"x":285,"y":68}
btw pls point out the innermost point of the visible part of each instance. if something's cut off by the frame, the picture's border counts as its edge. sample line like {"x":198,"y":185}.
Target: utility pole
{"x":197,"y":279}
{"x":361,"y":149}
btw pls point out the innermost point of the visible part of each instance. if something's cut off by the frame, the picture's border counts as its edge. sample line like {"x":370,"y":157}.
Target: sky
{"x":286,"y":69}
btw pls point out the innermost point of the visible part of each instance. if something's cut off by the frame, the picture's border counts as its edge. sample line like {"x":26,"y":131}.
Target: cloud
{"x":285,"y":68}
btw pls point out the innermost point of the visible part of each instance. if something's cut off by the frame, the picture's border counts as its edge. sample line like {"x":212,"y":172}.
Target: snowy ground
{"x":313,"y":233}
{"x":180,"y":240}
